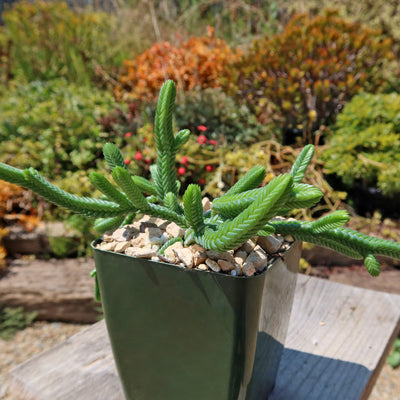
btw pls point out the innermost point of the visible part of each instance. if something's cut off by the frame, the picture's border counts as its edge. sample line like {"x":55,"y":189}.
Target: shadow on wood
{"x":304,"y":376}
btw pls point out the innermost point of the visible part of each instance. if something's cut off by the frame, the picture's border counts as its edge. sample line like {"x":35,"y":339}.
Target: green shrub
{"x":218,"y":112}
{"x":312,"y":69}
{"x":13,"y":319}
{"x":365,"y":144}
{"x":394,"y":358}
{"x":237,"y":22}
{"x":377,"y":14}
{"x":5,"y":62}
{"x":53,"y":127}
{"x":49,"y":40}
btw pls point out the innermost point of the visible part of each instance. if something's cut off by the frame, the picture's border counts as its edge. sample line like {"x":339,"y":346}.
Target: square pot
{"x":179,"y":334}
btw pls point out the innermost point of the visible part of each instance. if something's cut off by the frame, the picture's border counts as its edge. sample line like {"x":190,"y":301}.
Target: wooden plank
{"x":81,"y":368}
{"x":338,"y":338}
{"x":58,"y":290}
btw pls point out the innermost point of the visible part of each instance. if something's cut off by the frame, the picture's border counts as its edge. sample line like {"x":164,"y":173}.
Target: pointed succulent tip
{"x":169,"y":82}
{"x":372,"y":265}
{"x":167,"y":86}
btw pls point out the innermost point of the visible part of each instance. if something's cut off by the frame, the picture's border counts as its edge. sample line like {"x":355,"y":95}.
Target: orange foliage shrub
{"x":8,"y":194}
{"x":198,"y":62}
{"x":310,"y":70}
{"x":16,"y":206}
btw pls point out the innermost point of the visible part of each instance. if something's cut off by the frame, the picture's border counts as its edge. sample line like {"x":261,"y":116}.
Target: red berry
{"x":128,"y":134}
{"x":202,"y":128}
{"x":202,"y":181}
{"x":127,"y":162}
{"x":184,"y":160}
{"x":209,"y":168}
{"x":201,"y":139}
{"x":213,"y":142}
{"x":138,"y":156}
{"x":181,"y":171}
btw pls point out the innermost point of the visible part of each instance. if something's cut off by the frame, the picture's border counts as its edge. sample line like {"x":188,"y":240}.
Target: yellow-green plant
{"x":365,"y":144}
{"x":241,"y":213}
{"x":312,"y":69}
{"x":49,"y":40}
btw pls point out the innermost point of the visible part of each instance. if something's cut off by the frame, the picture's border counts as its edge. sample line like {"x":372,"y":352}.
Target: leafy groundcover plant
{"x":244,"y":211}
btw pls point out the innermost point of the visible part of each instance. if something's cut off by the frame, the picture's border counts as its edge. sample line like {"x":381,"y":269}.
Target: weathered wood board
{"x":338,"y":339}
{"x":58,"y":290}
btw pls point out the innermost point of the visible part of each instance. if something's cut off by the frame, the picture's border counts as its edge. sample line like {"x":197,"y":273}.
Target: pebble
{"x":206,"y":204}
{"x":170,"y":254}
{"x":199,"y":254}
{"x":165,"y":237}
{"x":185,"y":255}
{"x":122,"y":235}
{"x":147,"y":224}
{"x":247,"y":246}
{"x":226,"y":266}
{"x":107,"y":246}
{"x":153,"y":236}
{"x":139,"y":240}
{"x":258,"y":259}
{"x":270,"y":244}
{"x":140,"y":252}
{"x":121,"y":246}
{"x":248,"y":269}
{"x":216,"y":255}
{"x":240,"y":257}
{"x":213,"y":265}
{"x":175,"y":230}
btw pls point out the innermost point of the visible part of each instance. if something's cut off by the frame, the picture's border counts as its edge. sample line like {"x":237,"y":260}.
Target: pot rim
{"x":187,"y":270}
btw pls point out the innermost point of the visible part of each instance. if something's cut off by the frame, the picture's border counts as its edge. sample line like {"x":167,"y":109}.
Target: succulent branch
{"x":244,"y":211}
{"x":346,"y":241}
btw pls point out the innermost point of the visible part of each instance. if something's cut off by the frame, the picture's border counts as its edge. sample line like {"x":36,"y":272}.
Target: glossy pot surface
{"x":181,"y":334}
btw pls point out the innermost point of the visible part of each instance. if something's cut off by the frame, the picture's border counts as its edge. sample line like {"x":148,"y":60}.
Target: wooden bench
{"x":338,"y":340}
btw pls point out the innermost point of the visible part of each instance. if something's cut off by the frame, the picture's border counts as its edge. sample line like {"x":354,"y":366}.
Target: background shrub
{"x":53,"y":127}
{"x":224,"y":120}
{"x":49,"y":40}
{"x":312,"y":68}
{"x":5,"y":62}
{"x":365,"y":144}
{"x":378,"y":14}
{"x":235,"y":21}
{"x":198,"y":62}
{"x":13,"y":319}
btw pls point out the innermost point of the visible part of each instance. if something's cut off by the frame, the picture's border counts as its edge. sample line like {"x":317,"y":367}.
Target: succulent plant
{"x":244,"y":211}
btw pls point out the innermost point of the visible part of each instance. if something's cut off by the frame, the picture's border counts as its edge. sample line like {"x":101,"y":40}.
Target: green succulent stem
{"x":344,"y":240}
{"x":167,"y":146}
{"x":31,"y":179}
{"x":234,"y":232}
{"x":244,"y":211}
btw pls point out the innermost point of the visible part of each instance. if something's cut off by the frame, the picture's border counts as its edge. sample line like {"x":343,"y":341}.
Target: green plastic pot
{"x":180,"y":334}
